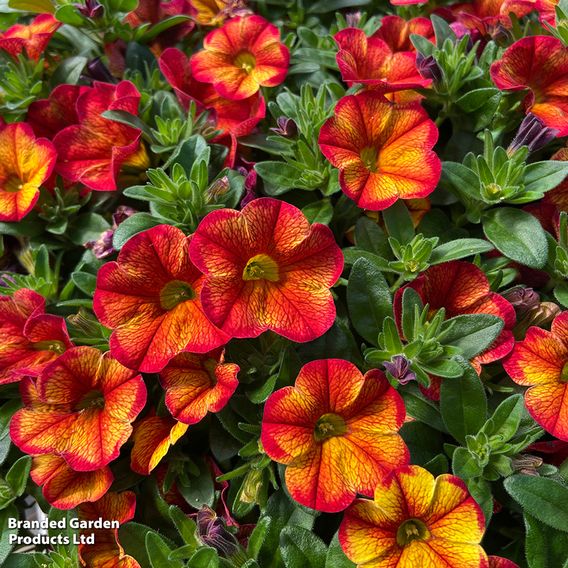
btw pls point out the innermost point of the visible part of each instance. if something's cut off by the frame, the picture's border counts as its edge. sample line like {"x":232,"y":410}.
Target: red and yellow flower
{"x":81,"y":408}
{"x":540,"y":362}
{"x":29,"y":338}
{"x":153,"y":436}
{"x":499,"y":562}
{"x":150,"y":297}
{"x":266,"y":268}
{"x":383,"y":151}
{"x":197,"y":384}
{"x":538,"y":64}
{"x":32,"y":38}
{"x":215,"y":12}
{"x":337,"y":432}
{"x":242,"y":56}
{"x":27,"y":162}
{"x":396,"y":32}
{"x":93,"y":151}
{"x":415,"y":520}
{"x":65,"y":488}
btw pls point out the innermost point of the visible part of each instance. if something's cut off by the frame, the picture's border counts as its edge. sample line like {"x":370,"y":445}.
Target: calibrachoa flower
{"x":498,"y":562}
{"x":32,"y":39}
{"x":197,"y":384}
{"x":540,"y":362}
{"x":93,"y":151}
{"x":242,"y":56}
{"x":396,"y":32}
{"x":153,"y":436}
{"x":215,"y":12}
{"x":415,"y":520}
{"x":337,"y":432}
{"x":107,"y":552}
{"x":266,"y":268}
{"x":27,"y":162}
{"x":370,"y":61}
{"x":383,"y":151}
{"x":538,"y":64}
{"x":65,"y":488}
{"x":81,"y":408}
{"x":30,"y":338}
{"x":150,"y":297}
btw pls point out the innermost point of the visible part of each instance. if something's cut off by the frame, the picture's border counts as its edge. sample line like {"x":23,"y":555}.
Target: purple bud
{"x":428,"y":67}
{"x":121,"y":214}
{"x":399,"y":368}
{"x":522,"y":299}
{"x":532,"y":133}
{"x":91,"y":9}
{"x":352,"y":19}
{"x":286,"y":127}
{"x":213,"y":532}
{"x":98,"y":71}
{"x":102,"y":247}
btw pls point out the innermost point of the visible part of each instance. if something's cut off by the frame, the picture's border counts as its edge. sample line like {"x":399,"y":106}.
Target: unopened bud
{"x":286,"y":127}
{"x":428,"y":67}
{"x":522,"y":299}
{"x":352,"y":19}
{"x":399,"y":368}
{"x":532,"y":133}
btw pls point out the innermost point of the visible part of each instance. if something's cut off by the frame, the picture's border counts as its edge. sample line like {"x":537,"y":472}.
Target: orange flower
{"x":32,"y":38}
{"x":337,"y":432}
{"x":396,"y":31}
{"x":65,"y":488}
{"x":415,"y":521}
{"x":197,"y":384}
{"x":540,"y":362}
{"x":150,"y":297}
{"x":153,"y":436}
{"x":27,"y":162}
{"x":383,"y":151}
{"x":266,"y":268}
{"x":240,"y":57}
{"x":29,"y":338}
{"x":538,"y":64}
{"x":81,"y":408}
{"x":215,"y":12}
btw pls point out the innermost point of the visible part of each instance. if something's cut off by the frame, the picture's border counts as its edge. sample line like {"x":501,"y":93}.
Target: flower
{"x":215,"y":12}
{"x":27,"y":162}
{"x":152,"y":438}
{"x":370,"y":61}
{"x":396,"y":32}
{"x":337,"y":432}
{"x":266,"y":268}
{"x":106,"y":552}
{"x":81,"y":408}
{"x":32,"y":38}
{"x":538,"y":64}
{"x":540,"y":362}
{"x":197,"y":384}
{"x":415,"y":520}
{"x":103,"y":247}
{"x":65,"y":488}
{"x":150,"y":298}
{"x":30,"y":338}
{"x":498,"y":562}
{"x":383,"y":151}
{"x":399,"y":369}
{"x":93,"y":151}
{"x":242,"y":56}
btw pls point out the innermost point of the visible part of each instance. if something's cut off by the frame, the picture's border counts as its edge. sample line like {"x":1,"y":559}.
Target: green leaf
{"x":85,"y":282}
{"x":205,"y":557}
{"x":476,"y":99}
{"x":369,"y":299}
{"x":34,"y":6}
{"x":472,"y":333}
{"x":518,"y":235}
{"x":185,"y":525}
{"x":423,"y":409}
{"x":461,"y":178}
{"x":301,"y":548}
{"x":336,"y":557}
{"x":201,"y":490}
{"x":132,"y":226}
{"x":69,"y":70}
{"x":464,"y":465}
{"x":442,"y":30}
{"x":561,"y":293}
{"x":17,"y":476}
{"x":460,"y":248}
{"x":543,"y":176}
{"x":5,"y":547}
{"x":163,"y":26}
{"x":258,"y":537}
{"x":86,"y":227}
{"x":542,"y":497}
{"x":544,"y":546}
{"x":506,"y":419}
{"x":463,"y":404}
{"x":158,"y":552}
{"x":280,"y":175}
{"x":326,"y":6}
{"x":132,"y":537}
{"x":319,"y":211}
{"x":370,"y":237}
{"x":399,"y":222}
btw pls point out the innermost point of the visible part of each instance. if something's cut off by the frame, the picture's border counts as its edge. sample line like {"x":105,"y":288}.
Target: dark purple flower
{"x":428,"y":67}
{"x":98,"y":71}
{"x":286,"y":127}
{"x":399,"y":368}
{"x":532,"y":133}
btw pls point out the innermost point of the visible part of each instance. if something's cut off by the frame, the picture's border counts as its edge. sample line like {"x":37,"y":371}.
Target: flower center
{"x":174,"y":293}
{"x":564,"y":374}
{"x":93,"y":399}
{"x":329,"y":425}
{"x":370,"y":158}
{"x":411,"y":530}
{"x":246,"y":61}
{"x":55,"y":346}
{"x":13,"y":184}
{"x":261,"y":267}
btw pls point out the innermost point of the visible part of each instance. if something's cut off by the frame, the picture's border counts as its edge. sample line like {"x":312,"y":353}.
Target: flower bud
{"x":213,"y":532}
{"x":522,"y":299}
{"x":428,"y":67}
{"x":532,"y":133}
{"x":399,"y":368}
{"x":98,"y":71}
{"x":286,"y":127}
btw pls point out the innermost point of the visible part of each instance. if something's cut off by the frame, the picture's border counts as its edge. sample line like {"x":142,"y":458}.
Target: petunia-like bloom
{"x":383,"y":151}
{"x":415,"y":520}
{"x":538,"y":64}
{"x":29,"y":338}
{"x":81,"y":408}
{"x":65,"y":488}
{"x":370,"y":61}
{"x":396,"y":32}
{"x":32,"y":38}
{"x":153,"y":436}
{"x":499,"y":562}
{"x":337,"y":432}
{"x":266,"y":268}
{"x":107,"y":552}
{"x":26,"y":163}
{"x":242,"y":56}
{"x":93,"y":151}
{"x":540,"y":362}
{"x":215,"y":12}
{"x":150,"y":297}
{"x":197,"y":384}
